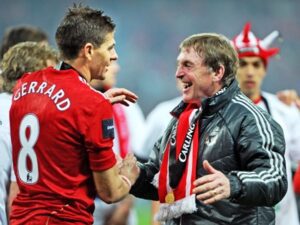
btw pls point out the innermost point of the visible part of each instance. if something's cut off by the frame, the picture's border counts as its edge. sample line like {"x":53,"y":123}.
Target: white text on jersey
{"x":57,"y":96}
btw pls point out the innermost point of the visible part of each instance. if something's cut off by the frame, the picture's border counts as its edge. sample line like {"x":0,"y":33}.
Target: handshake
{"x":128,"y":168}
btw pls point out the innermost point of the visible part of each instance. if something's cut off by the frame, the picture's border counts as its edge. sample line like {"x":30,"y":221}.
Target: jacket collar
{"x":210,"y":105}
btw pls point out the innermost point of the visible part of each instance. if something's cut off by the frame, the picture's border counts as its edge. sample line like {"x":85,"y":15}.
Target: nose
{"x":249,"y":71}
{"x":179,"y":73}
{"x":114,"y":55}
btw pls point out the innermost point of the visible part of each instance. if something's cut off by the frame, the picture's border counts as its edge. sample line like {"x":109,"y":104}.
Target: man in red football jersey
{"x":62,"y":129}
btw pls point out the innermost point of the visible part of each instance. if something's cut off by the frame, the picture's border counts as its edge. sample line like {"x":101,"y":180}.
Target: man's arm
{"x":113,"y":184}
{"x":261,"y":148}
{"x":13,"y":191}
{"x":262,"y":180}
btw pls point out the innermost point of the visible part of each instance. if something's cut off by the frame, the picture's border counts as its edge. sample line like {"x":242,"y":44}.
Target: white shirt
{"x":136,"y":125}
{"x":289,"y":119}
{"x":6,"y":171}
{"x":156,"y":123}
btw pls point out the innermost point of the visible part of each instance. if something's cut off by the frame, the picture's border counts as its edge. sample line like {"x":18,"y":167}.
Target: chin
{"x":248,"y":93}
{"x":190,"y":100}
{"x":185,"y":98}
{"x":100,"y":77}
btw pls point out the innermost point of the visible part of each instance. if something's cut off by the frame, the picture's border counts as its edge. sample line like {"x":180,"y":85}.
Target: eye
{"x":111,"y":47}
{"x":243,"y":63}
{"x":187,"y":64}
{"x":257,"y":65}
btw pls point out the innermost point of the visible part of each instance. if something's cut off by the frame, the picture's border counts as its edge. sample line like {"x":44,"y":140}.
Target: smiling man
{"x":254,"y":55}
{"x":215,"y":162}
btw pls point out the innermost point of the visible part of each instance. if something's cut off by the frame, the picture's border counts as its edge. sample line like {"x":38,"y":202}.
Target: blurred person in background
{"x":129,"y":122}
{"x":214,"y":164}
{"x":289,"y":97}
{"x":254,"y":57}
{"x":22,"y":58}
{"x":13,"y":36}
{"x":17,"y":34}
{"x":22,"y":33}
{"x":62,"y":129}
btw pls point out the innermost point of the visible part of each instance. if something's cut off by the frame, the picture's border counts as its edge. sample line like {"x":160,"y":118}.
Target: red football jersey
{"x":61,"y":131}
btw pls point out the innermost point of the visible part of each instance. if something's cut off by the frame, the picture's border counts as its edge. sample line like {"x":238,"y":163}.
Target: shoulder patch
{"x":108,"y":128}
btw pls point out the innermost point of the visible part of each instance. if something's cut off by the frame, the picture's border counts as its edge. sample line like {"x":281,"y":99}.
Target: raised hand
{"x":212,"y":187}
{"x":120,"y":95}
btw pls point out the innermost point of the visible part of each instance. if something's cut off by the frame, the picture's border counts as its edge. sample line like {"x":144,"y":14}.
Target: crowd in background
{"x":159,"y":26}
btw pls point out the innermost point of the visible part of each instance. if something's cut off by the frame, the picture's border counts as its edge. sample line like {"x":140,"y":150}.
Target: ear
{"x":88,"y":51}
{"x":219,"y":73}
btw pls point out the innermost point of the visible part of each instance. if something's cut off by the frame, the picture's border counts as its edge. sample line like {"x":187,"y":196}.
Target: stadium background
{"x":148,"y":34}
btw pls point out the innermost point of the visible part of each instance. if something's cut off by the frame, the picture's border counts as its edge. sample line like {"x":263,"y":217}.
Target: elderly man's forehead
{"x":188,"y":53}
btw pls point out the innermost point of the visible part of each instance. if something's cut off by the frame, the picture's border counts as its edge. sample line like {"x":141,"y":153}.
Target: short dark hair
{"x":215,"y":49}
{"x":82,"y":25}
{"x":15,"y":35}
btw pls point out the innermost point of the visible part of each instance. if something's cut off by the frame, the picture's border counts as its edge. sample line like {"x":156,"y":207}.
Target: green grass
{"x":143,"y":209}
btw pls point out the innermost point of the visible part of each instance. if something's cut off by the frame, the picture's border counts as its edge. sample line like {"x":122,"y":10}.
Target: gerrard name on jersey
{"x":57,"y":96}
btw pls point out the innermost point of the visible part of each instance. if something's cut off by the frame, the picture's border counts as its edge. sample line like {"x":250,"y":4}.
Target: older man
{"x":221,"y":159}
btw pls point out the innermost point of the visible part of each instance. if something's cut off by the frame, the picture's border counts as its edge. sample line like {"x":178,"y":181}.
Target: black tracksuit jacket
{"x":244,"y":143}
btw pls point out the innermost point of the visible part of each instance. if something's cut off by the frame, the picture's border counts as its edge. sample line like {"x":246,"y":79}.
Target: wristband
{"x":127,"y":181}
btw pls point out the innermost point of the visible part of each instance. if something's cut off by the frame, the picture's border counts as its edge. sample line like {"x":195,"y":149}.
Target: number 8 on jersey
{"x":29,"y":177}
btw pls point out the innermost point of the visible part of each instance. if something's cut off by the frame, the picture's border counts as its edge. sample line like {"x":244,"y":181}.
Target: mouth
{"x":186,"y":85}
{"x":250,"y":84}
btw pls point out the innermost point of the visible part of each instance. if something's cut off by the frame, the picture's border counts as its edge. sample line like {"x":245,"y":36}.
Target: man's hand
{"x":129,"y":168}
{"x":120,"y":95}
{"x":212,"y":187}
{"x":289,"y":97}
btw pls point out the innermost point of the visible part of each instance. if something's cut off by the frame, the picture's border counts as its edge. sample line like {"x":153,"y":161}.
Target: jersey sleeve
{"x":99,"y":137}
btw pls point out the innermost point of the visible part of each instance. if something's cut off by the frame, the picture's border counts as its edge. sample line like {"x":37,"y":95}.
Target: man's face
{"x":110,"y":77}
{"x":103,"y":56}
{"x":196,"y":78}
{"x":250,"y":75}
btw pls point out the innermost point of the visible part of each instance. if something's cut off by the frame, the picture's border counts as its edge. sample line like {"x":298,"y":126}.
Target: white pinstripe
{"x":265,"y":131}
